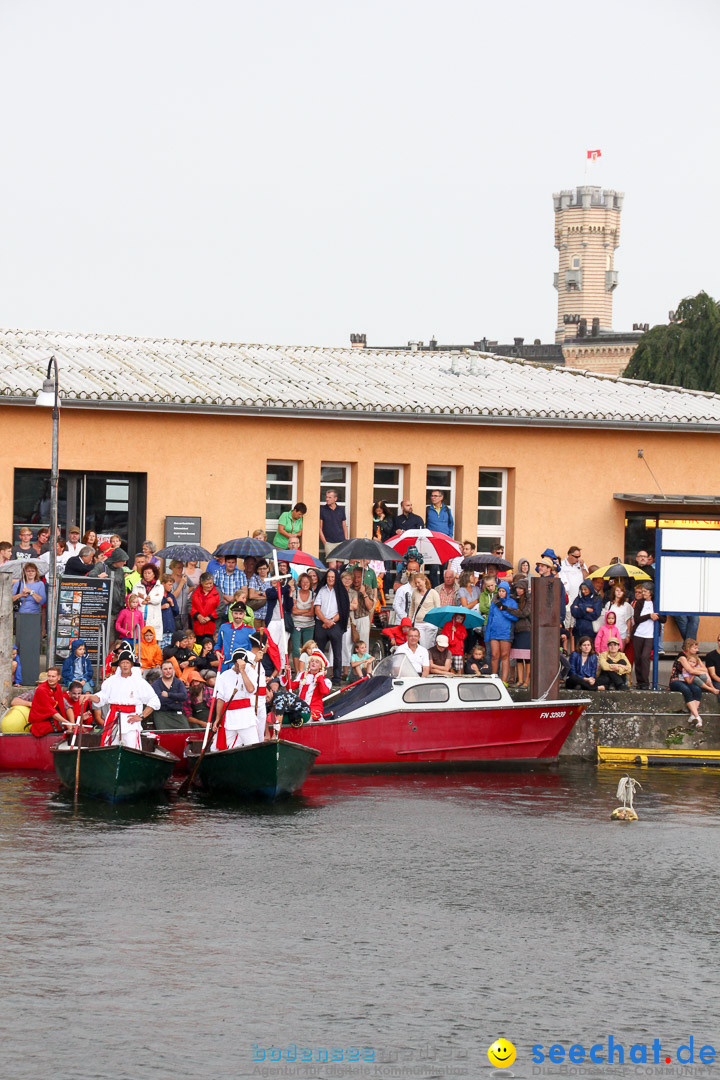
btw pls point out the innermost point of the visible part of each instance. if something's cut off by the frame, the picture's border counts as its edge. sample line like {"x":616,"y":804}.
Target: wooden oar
{"x":77,"y":760}
{"x":187,"y":782}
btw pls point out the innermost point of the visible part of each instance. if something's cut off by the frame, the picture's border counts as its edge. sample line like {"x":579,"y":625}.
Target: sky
{"x":291,"y":171}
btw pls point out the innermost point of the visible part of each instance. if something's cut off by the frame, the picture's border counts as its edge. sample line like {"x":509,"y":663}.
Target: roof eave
{"x":379,"y":415}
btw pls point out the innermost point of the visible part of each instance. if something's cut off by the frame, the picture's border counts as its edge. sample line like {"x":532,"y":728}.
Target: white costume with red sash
{"x":312,"y":689}
{"x":239,"y":726}
{"x":125,"y":697}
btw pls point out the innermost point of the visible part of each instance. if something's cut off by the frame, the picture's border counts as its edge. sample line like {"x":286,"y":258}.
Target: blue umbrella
{"x":185,"y":553}
{"x":244,"y":546}
{"x":440,"y":615}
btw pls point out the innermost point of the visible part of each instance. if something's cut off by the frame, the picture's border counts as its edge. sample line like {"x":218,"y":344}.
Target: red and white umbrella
{"x":435,"y":547}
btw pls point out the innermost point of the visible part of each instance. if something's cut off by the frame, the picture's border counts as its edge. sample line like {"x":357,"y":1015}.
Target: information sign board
{"x":82,"y":611}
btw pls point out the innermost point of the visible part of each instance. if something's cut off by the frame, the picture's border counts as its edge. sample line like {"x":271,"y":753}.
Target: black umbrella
{"x":362,"y":548}
{"x":244,"y":546}
{"x":482,"y":560}
{"x":185,"y":553}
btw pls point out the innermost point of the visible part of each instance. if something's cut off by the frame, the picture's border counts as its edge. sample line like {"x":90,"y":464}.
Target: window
{"x":337,"y":478}
{"x":426,"y":693}
{"x":280,"y":491}
{"x":575,"y":262}
{"x":479,"y":691}
{"x":442,"y":480}
{"x":388,"y":486}
{"x":492,"y":500}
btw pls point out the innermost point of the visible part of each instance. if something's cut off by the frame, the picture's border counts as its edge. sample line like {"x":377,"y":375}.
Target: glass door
{"x":107,"y":503}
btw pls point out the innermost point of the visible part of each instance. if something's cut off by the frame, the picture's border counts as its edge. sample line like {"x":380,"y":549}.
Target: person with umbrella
{"x":332,"y":611}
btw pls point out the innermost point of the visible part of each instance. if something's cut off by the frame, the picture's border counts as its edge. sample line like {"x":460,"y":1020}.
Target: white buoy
{"x":626,"y":792}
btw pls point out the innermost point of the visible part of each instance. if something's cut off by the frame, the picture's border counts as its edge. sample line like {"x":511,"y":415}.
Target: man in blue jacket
{"x":438,"y":516}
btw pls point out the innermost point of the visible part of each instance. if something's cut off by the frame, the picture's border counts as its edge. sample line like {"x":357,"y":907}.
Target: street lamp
{"x":48,"y":398}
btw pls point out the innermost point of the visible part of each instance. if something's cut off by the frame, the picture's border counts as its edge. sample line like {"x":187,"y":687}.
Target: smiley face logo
{"x":502,"y":1053}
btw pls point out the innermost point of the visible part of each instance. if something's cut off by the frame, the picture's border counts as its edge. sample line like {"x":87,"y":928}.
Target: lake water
{"x":416,"y":919}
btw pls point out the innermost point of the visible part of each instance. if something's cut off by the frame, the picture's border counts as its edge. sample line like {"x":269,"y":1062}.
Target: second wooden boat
{"x":266,"y":770}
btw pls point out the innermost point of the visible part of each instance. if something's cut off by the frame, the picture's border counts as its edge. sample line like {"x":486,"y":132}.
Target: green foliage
{"x":685,"y":353}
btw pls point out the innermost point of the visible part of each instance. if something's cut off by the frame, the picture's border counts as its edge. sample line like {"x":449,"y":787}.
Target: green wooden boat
{"x":266,"y":770}
{"x":115,"y":773}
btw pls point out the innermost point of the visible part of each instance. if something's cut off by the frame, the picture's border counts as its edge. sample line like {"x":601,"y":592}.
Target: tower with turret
{"x":587,"y":232}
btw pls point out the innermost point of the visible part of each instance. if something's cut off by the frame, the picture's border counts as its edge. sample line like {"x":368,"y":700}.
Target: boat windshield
{"x":397,"y":666}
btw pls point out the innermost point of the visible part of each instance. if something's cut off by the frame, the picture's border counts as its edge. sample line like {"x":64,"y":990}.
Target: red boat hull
{"x":27,"y":752}
{"x":462,"y":737}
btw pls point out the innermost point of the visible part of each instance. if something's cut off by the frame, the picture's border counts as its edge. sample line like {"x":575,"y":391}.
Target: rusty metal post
{"x":545,"y":637}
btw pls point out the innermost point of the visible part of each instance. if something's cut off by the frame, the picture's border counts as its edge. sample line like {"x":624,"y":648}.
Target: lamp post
{"x":49,"y":398}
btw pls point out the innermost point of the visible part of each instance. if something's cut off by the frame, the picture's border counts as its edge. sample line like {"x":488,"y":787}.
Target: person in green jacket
{"x":486,"y":596}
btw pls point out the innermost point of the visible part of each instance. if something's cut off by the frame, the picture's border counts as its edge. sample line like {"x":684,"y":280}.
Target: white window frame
{"x":271,"y":525}
{"x":348,"y":479}
{"x":400,"y":484}
{"x":493,"y":530}
{"x":452,"y":469}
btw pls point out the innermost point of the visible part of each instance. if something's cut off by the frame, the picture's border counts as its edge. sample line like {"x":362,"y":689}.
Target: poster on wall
{"x":82,"y":611}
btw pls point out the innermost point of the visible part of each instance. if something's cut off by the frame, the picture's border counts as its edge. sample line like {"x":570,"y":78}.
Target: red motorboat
{"x":25,"y":751}
{"x":397,"y":720}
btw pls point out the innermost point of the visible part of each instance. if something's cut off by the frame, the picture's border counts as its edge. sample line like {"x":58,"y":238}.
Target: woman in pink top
{"x":607,"y":631}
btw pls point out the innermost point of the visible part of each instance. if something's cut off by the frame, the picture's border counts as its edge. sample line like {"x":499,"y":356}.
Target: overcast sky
{"x":288,"y":172}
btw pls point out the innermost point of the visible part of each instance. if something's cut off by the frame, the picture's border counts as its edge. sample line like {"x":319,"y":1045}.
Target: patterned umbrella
{"x":244,"y":546}
{"x":299,"y":558}
{"x":434,"y":547}
{"x":619,"y":569}
{"x":185,"y":553}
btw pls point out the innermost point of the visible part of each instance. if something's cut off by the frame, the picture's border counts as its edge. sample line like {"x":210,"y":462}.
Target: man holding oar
{"x":240,"y":693}
{"x":129,"y":700}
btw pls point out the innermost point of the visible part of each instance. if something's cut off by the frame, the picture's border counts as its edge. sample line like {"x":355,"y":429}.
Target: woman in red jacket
{"x":203,"y":609}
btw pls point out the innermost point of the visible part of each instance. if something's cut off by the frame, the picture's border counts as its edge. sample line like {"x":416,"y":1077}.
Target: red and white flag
{"x":593,"y":155}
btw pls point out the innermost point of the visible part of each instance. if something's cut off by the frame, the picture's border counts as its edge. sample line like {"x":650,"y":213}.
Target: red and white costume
{"x":241,"y":724}
{"x":125,"y":698}
{"x":312,"y":689}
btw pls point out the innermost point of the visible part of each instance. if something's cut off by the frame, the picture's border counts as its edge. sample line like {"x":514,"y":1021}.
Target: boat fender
{"x":15,"y":721}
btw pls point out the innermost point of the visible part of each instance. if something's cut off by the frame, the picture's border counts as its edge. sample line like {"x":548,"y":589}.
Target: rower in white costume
{"x":128,"y":700}
{"x":242,"y":688}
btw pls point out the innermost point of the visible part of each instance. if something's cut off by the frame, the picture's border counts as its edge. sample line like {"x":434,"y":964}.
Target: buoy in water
{"x":15,"y":720}
{"x":625,"y":791}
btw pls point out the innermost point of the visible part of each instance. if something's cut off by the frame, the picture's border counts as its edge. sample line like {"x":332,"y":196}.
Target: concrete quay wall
{"x":638,"y":718}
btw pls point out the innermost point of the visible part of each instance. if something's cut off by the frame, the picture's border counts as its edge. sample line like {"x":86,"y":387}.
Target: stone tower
{"x":587,"y":231}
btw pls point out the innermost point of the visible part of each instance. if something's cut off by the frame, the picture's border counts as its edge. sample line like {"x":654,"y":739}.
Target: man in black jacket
{"x":172,"y":693}
{"x":406,"y":519}
{"x":81,"y":564}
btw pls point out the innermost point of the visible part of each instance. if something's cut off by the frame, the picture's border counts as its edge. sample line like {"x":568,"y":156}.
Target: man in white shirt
{"x":573,"y":572}
{"x":468,"y":550}
{"x":415,"y":652}
{"x":73,"y":542}
{"x":402,"y":600}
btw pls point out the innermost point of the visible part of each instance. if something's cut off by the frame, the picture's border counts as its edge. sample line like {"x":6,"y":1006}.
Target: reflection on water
{"x":410,"y":913}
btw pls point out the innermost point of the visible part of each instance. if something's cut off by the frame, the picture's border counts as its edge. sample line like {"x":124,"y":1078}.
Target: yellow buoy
{"x":15,"y":720}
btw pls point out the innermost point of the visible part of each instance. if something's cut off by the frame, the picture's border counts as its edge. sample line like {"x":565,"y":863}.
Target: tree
{"x":684,"y":353}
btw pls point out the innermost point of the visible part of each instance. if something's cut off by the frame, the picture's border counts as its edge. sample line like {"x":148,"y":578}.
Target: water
{"x":419,"y":917}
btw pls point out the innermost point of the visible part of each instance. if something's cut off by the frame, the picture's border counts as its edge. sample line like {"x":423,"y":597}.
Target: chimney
{"x":358,"y":341}
{"x":518,"y":342}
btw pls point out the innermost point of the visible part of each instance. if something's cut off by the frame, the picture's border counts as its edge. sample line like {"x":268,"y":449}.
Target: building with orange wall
{"x":234,"y":434}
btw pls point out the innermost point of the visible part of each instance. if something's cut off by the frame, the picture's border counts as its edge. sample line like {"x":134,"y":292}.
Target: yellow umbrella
{"x":621,"y":569}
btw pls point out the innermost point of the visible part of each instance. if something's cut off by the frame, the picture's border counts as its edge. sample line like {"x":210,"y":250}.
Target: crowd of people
{"x":180,"y":618}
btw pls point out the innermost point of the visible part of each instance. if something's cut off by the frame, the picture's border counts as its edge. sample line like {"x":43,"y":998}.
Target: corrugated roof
{"x":165,"y":374}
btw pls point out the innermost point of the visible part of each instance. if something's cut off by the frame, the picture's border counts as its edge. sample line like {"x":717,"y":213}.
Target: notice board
{"x":82,"y":610}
